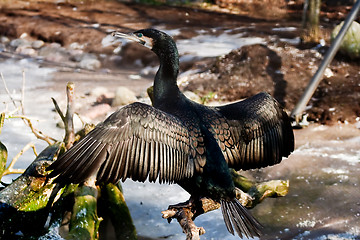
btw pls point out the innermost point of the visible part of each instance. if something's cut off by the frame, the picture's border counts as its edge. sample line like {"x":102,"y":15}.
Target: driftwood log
{"x":33,"y":207}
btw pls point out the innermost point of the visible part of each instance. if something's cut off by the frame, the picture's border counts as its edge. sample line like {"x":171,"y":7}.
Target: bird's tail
{"x":237,"y":216}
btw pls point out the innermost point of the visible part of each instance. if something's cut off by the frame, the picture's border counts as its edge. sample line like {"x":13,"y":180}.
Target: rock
{"x":99,"y":91}
{"x":76,"y":55}
{"x":4,"y":40}
{"x":351,"y":43}
{"x":328,"y":73}
{"x":90,"y":63}
{"x":54,"y":52}
{"x":87,"y":61}
{"x":19,"y":42}
{"x":55,"y":45}
{"x":76,"y":45}
{"x":24,"y":35}
{"x":37,"y":44}
{"x":123,"y":96}
{"x":25,"y":50}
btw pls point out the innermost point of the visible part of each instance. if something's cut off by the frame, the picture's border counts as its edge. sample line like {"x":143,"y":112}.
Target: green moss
{"x":84,"y":221}
{"x":118,"y":211}
{"x":36,"y":198}
{"x":351,"y":42}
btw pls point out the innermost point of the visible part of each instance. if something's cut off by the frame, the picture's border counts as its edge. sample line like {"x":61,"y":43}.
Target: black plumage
{"x":180,"y":141}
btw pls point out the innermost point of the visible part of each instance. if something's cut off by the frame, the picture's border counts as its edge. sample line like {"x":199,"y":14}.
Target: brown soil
{"x":278,"y":68}
{"x":284,"y":73}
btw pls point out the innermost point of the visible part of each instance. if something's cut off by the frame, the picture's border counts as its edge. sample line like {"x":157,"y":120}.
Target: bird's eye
{"x":139,"y":35}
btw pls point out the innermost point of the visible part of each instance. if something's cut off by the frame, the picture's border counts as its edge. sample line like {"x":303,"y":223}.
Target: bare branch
{"x":69,"y":138}
{"x":35,"y":131}
{"x":69,"y":124}
{"x":7,"y":90}
{"x":58,"y":110}
{"x":27,"y":121}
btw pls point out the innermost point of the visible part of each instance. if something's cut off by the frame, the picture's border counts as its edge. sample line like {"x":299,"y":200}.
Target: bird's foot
{"x":185,"y":214}
{"x":196,"y":206}
{"x":175,"y":210}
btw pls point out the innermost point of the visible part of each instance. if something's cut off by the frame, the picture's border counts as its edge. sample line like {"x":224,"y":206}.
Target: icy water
{"x":324,"y":198}
{"x":37,"y":104}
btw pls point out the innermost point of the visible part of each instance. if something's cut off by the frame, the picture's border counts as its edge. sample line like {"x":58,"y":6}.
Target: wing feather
{"x":137,"y":141}
{"x":257,"y":132}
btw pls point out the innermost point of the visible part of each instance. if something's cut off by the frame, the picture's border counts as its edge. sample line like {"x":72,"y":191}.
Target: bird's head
{"x":158,"y":41}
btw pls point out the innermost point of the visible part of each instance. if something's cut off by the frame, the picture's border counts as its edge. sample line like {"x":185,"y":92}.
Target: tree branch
{"x":69,"y":116}
{"x":255,"y":193}
{"x":38,"y":134}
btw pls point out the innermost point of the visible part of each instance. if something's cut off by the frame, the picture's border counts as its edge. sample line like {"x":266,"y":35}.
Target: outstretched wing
{"x":253,"y":133}
{"x":138,"y":142}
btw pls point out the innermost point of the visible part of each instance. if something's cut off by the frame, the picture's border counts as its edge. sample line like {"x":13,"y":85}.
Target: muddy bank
{"x":284,"y":72}
{"x":279,"y":66}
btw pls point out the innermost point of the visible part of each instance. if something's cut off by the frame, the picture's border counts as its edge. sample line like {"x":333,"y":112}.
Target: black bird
{"x":179,"y":141}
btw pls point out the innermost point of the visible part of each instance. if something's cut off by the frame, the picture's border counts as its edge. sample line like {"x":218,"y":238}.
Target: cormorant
{"x":179,"y":141}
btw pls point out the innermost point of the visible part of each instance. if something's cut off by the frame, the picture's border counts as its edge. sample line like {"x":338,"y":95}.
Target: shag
{"x":179,"y":141}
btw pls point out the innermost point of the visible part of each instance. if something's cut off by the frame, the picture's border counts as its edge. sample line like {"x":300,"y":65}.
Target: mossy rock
{"x":351,"y":43}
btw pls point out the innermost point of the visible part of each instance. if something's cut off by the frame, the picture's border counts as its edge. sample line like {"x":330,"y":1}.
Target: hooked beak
{"x":130,"y":36}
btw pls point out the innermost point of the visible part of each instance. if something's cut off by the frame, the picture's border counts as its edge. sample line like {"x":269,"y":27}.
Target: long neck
{"x":165,"y":84}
